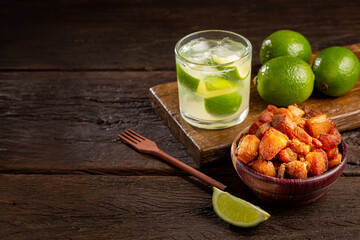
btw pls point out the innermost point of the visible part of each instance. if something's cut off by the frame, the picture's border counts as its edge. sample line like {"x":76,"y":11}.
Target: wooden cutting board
{"x":209,"y":146}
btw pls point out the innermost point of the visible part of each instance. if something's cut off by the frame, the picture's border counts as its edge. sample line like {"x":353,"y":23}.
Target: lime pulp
{"x":186,"y":79}
{"x":235,"y":70}
{"x":236,"y":211}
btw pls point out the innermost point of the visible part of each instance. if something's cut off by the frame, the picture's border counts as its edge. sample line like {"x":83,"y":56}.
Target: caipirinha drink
{"x":213,"y":72}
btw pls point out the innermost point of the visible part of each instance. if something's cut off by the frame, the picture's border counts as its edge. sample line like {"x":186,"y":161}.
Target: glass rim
{"x":247,"y":53}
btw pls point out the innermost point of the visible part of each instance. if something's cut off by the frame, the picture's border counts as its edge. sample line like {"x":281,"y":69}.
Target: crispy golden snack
{"x":296,"y":169}
{"x":309,"y":112}
{"x":291,"y":142}
{"x":262,"y":130}
{"x":328,"y":141}
{"x":295,"y":111}
{"x":272,"y":143}
{"x":334,"y":132}
{"x":264,"y":167}
{"x":316,"y":142}
{"x":300,"y":133}
{"x":317,"y":162}
{"x":281,"y":171}
{"x":287,"y":155}
{"x":281,"y":111}
{"x":301,"y":122}
{"x":266,"y":115}
{"x":248,"y":148}
{"x":331,"y":154}
{"x":284,"y":124}
{"x":254,"y":127}
{"x":299,"y":147}
{"x":335,"y":161}
{"x":319,"y":124}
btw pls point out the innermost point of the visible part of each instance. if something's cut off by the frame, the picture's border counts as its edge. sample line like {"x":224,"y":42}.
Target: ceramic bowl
{"x":287,"y":192}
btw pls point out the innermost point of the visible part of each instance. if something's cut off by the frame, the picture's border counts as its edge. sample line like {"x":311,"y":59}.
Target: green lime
{"x":233,"y":69}
{"x":212,"y":86}
{"x":283,"y":81}
{"x":285,"y":43}
{"x":186,"y":79}
{"x":213,"y":83}
{"x":336,"y":70}
{"x":220,"y":95}
{"x":223,"y":104}
{"x":236,"y":211}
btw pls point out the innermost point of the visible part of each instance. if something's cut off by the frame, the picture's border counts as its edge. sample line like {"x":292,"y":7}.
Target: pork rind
{"x":299,"y":147}
{"x":264,"y":167}
{"x":284,"y":124}
{"x":267,"y":114}
{"x":262,"y":130}
{"x":291,"y":142}
{"x":319,"y":124}
{"x":317,"y":162}
{"x":248,"y":148}
{"x":287,"y":155}
{"x":295,"y":111}
{"x":335,"y":161}
{"x":296,"y":169}
{"x":302,"y":135}
{"x":272,"y":143}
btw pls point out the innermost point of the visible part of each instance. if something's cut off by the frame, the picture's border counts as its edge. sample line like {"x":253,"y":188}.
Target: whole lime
{"x":285,"y":43}
{"x":286,"y":80}
{"x":336,"y":70}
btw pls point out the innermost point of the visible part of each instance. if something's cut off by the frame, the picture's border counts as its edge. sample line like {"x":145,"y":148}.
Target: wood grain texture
{"x":211,"y":146}
{"x":74,"y":73}
{"x":67,"y":122}
{"x":141,"y":35}
{"x":110,"y":207}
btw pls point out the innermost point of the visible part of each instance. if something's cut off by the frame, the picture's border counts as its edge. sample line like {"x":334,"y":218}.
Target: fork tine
{"x":136,"y":134}
{"x":132,"y":136}
{"x":126,"y":139}
{"x":129,"y":135}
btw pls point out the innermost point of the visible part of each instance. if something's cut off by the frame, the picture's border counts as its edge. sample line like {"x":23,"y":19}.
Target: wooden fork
{"x":144,"y":145}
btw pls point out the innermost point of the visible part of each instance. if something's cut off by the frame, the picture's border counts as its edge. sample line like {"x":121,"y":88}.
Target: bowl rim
{"x":268,"y":179}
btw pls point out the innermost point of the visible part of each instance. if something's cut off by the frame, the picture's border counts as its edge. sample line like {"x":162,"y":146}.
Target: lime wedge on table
{"x":234,"y":71}
{"x":186,"y":79}
{"x":236,"y":211}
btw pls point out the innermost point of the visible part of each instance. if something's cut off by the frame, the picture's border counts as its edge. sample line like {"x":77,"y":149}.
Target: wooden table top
{"x":73,"y":74}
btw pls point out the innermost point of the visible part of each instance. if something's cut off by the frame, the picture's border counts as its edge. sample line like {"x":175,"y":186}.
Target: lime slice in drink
{"x":233,"y":71}
{"x":212,"y":86}
{"x":186,"y":79}
{"x":223,"y":104}
{"x":213,"y":83}
{"x":236,"y":211}
{"x":220,"y":95}
{"x":224,"y":60}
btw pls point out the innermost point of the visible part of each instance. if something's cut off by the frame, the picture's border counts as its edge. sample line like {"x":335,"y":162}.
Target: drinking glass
{"x":213,"y":74}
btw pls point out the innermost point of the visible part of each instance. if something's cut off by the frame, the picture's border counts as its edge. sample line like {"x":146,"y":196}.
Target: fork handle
{"x":192,"y":171}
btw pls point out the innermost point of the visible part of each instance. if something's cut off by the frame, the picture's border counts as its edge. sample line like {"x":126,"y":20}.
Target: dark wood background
{"x":73,"y":74}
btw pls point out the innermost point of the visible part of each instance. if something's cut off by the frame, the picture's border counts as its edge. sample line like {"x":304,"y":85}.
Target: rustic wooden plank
{"x":68,"y":121}
{"x":110,"y":207}
{"x":141,"y":35}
